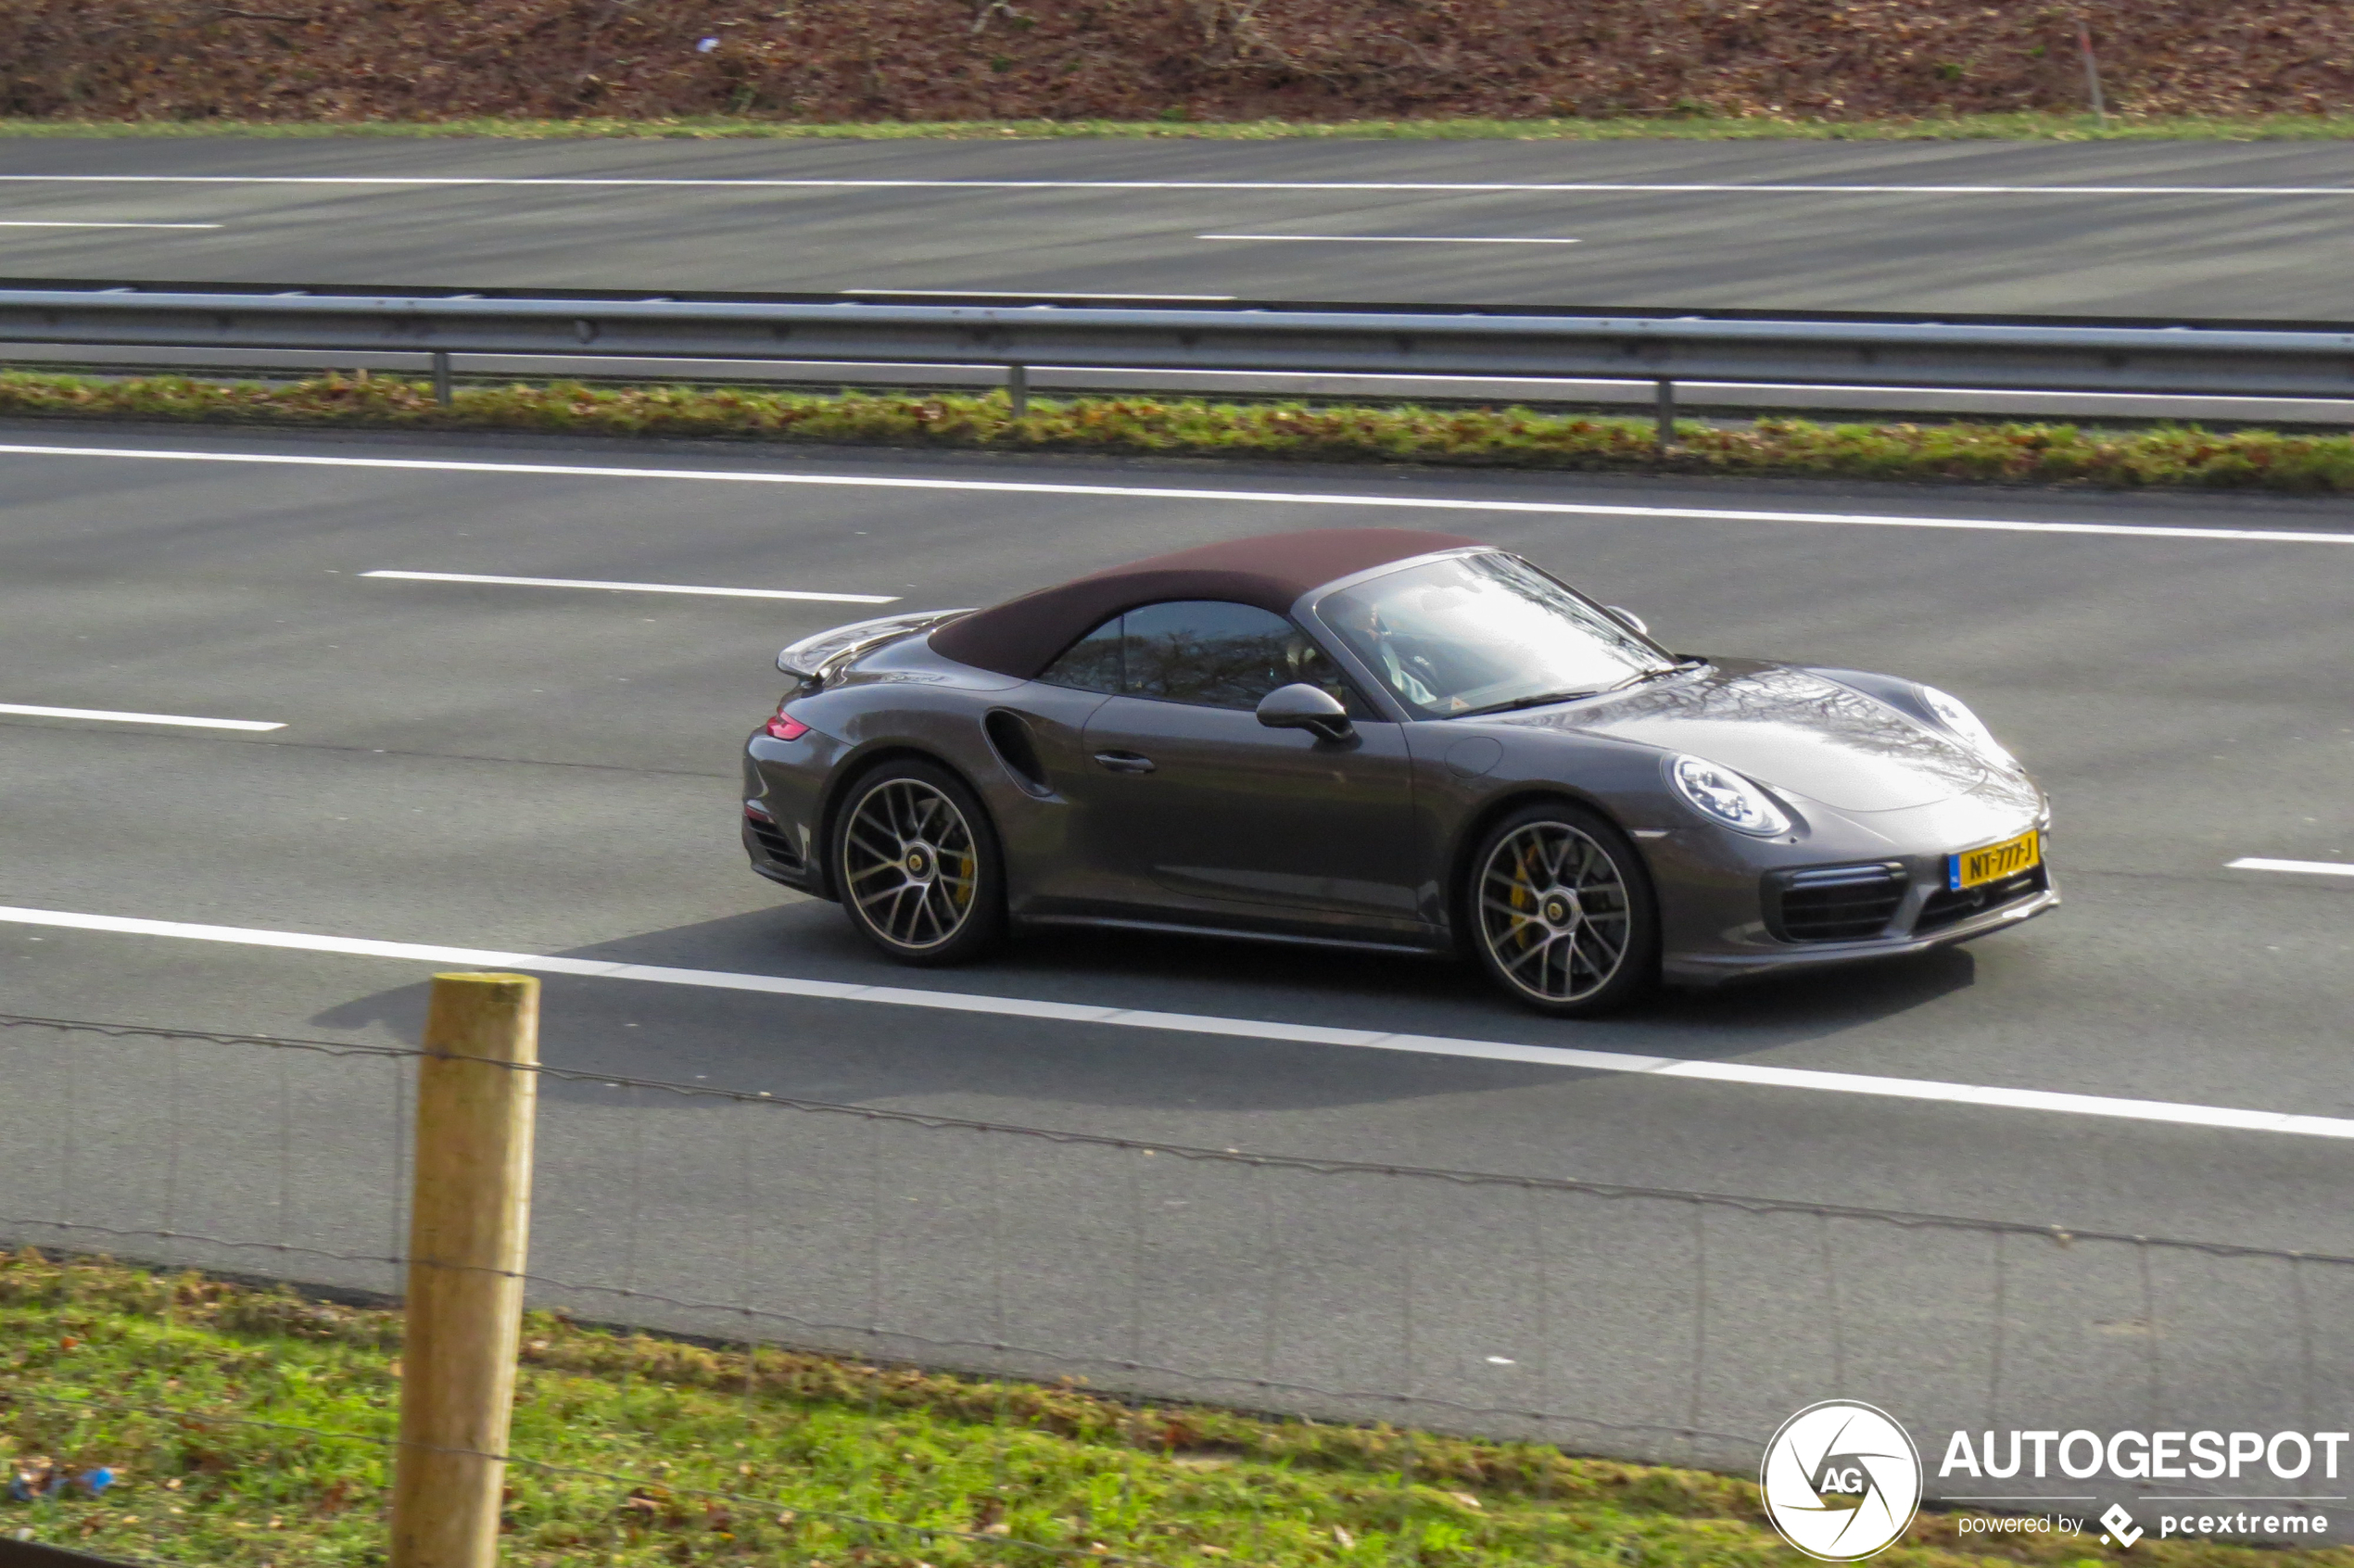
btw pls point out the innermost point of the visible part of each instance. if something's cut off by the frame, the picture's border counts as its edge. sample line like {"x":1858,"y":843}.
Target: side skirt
{"x":1174,"y":927}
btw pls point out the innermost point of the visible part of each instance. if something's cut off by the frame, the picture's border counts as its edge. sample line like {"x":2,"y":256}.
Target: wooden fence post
{"x":469,"y":1229}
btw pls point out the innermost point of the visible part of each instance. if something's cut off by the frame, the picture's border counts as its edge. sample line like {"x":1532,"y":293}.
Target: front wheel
{"x":918,"y":866}
{"x":1562,"y":913}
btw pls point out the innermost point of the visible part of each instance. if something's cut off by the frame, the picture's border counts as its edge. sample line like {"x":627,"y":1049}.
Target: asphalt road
{"x":551,"y":771}
{"x":2196,"y":229}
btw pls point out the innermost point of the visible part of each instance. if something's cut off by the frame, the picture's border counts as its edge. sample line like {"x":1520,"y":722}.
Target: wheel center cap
{"x":919,"y":862}
{"x":1560,"y":909}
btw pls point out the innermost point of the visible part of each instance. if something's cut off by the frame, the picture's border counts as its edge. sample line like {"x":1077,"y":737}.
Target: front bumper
{"x":1747,"y":913}
{"x":1715,"y":969}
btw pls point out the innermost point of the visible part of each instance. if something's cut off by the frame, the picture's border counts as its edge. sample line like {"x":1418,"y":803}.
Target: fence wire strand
{"x":1288,"y":1221}
{"x":1317,"y":1164}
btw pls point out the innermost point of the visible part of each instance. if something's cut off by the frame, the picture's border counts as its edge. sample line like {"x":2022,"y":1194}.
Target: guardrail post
{"x":468,"y":1234}
{"x":1018,"y":389}
{"x":441,"y":389}
{"x":1665,"y":413}
{"x":2091,"y":70}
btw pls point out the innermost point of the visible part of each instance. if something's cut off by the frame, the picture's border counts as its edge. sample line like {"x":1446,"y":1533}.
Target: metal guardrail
{"x":2208,"y":360}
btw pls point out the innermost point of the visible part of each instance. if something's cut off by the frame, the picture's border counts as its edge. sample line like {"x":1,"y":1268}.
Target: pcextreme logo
{"x":1841,"y":1481}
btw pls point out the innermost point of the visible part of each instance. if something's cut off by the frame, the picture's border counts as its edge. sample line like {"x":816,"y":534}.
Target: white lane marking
{"x":109,"y":717}
{"x":2168,"y":1111}
{"x":1014,"y":294}
{"x":1144,"y":492}
{"x":2310,"y":867}
{"x":637,"y":587}
{"x":1388,"y":239}
{"x":1669,"y":187}
{"x":47,"y":223}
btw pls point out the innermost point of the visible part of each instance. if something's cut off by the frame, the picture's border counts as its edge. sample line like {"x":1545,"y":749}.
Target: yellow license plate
{"x":1973,"y":867}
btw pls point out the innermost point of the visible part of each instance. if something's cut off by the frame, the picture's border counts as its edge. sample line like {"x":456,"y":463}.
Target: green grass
{"x":1513,"y":437}
{"x":2023,"y":127}
{"x":658,"y":1452}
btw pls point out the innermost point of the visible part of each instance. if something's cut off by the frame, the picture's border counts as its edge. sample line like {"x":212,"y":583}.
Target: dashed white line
{"x":1016,"y":294}
{"x":637,"y":587}
{"x":105,"y":715}
{"x":1388,"y":239}
{"x":2307,"y":867}
{"x":1147,"y":492}
{"x":48,"y":224}
{"x":2163,"y":1111}
{"x":1660,"y":187}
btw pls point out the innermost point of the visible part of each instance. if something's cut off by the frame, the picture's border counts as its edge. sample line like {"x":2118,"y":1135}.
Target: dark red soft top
{"x":1022,"y":636}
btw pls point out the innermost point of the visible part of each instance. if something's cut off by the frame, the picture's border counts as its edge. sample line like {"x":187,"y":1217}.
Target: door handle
{"x":1124,"y":762}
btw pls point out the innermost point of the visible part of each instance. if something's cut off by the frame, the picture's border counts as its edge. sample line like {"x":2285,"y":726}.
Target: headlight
{"x":1724,"y":796}
{"x":1956,"y":715}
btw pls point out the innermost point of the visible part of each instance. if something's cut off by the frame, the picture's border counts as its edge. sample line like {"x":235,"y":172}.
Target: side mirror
{"x":1629,"y":618}
{"x":1302,"y":707}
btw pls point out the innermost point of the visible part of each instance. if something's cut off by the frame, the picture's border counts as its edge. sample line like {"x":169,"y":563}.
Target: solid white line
{"x":1604,"y":187}
{"x":1388,"y":239}
{"x":637,"y":587}
{"x":1145,"y":492}
{"x":2166,"y":1111}
{"x":30,"y":223}
{"x":1016,"y":293}
{"x":2312,"y":867}
{"x":101,"y":713}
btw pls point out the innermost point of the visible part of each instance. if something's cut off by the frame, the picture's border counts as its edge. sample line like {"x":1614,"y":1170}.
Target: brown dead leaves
{"x":1143,"y":59}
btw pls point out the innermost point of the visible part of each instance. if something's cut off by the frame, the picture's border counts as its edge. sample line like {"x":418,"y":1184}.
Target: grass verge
{"x":658,"y":1452}
{"x":2020,"y":127}
{"x":2015,"y":453}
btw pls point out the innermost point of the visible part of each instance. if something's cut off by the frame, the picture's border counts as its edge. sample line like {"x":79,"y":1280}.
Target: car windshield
{"x":1481,"y":633}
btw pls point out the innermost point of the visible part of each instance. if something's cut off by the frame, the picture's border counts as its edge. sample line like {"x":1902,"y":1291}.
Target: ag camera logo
{"x":1841,"y":1481}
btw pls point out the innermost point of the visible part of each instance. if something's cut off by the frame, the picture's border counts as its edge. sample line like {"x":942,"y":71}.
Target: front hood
{"x":1794,"y":732}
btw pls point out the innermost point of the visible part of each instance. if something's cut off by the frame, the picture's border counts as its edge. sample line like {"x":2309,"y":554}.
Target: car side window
{"x":1208,"y":652}
{"x":1090,"y":664}
{"x":1205,"y":652}
{"x":1311,"y":664}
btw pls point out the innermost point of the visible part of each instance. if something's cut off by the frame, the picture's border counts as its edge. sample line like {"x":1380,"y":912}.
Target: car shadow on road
{"x":856,"y":1051}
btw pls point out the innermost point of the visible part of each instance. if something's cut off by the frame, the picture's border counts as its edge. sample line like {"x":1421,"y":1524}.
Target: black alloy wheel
{"x":917,"y":865}
{"x":1560,"y":911}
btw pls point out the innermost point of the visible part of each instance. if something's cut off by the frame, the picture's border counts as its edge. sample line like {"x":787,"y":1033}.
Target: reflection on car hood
{"x":1792,"y":730}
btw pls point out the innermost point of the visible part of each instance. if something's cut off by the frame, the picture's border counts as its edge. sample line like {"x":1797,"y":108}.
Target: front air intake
{"x":1834,"y":903}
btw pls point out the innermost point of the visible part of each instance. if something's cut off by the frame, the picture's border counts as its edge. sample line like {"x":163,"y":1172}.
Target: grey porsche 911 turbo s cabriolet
{"x":1383,"y":738}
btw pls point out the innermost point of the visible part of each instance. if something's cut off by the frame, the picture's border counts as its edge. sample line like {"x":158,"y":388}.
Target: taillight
{"x":784,"y":726}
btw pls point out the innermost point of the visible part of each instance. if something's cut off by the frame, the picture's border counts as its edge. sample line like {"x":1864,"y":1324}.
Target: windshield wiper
{"x":1642,"y":677}
{"x":1538,"y":701}
{"x":1544,"y":698}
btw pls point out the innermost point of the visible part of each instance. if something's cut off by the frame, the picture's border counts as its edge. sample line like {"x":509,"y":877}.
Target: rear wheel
{"x":918,"y":866}
{"x":1562,"y":913}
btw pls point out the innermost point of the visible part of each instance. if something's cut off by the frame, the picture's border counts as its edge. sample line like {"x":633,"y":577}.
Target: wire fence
{"x":1636,"y":1322}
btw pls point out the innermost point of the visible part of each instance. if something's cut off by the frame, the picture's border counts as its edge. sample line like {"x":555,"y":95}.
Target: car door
{"x":1053,"y":861}
{"x":1196,"y":803}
